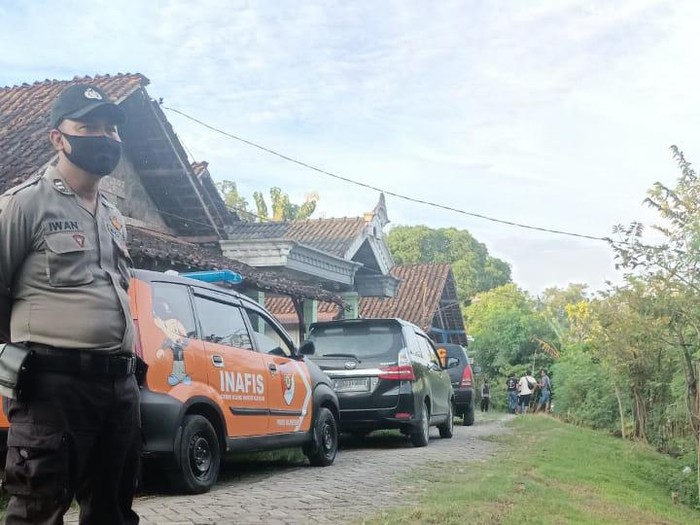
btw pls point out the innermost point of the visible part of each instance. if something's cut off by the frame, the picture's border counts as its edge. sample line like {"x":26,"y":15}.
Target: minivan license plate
{"x":351,"y":384}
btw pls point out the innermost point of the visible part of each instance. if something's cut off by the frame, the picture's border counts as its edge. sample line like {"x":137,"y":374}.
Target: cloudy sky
{"x":554,"y":114}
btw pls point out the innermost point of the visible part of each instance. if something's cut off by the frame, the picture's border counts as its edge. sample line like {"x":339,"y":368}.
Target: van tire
{"x":199,"y":457}
{"x":421,"y":433}
{"x":448,"y":427}
{"x":324,"y":448}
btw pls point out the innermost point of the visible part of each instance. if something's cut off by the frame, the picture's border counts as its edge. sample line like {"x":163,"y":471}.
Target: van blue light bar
{"x":216,"y":276}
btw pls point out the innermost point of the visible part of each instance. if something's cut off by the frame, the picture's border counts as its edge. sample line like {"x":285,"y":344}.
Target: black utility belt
{"x":80,"y":363}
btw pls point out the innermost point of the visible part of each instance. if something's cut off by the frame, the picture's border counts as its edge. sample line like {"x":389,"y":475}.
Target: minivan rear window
{"x":360,"y":340}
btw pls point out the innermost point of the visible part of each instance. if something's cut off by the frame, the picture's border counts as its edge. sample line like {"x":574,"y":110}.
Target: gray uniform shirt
{"x":64,"y":271}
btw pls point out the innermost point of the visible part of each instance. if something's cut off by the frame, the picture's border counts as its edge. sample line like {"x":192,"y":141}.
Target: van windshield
{"x":359,"y":340}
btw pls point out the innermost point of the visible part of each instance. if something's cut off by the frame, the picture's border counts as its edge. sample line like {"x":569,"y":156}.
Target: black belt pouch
{"x":14,"y":368}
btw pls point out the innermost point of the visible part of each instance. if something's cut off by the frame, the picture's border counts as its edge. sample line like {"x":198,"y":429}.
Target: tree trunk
{"x":694,"y":394}
{"x":640,"y":415}
{"x":622,"y":412}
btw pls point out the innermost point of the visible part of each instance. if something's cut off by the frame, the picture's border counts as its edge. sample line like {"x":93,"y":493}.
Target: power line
{"x":388,"y":192}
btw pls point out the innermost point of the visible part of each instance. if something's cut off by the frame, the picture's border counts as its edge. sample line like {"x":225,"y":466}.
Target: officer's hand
{"x":160,"y":354}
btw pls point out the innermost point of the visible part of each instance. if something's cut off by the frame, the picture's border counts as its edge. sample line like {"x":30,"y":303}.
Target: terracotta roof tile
{"x":334,"y":236}
{"x":148,"y":247}
{"x":417,"y":299}
{"x":24,"y":121}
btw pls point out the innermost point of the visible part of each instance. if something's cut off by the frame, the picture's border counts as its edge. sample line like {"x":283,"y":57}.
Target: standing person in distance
{"x":512,"y":392}
{"x":485,"y":396}
{"x":64,"y":276}
{"x":545,"y":386}
{"x":526,"y":386}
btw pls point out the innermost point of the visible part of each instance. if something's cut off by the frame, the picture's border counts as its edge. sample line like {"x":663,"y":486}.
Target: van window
{"x":361,"y":340}
{"x":172,"y":307}
{"x":427,"y":349}
{"x":268,"y":338}
{"x":222,"y":323}
{"x":414,"y":346}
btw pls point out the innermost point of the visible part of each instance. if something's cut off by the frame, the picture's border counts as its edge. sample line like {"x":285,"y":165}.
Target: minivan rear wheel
{"x":421,"y":433}
{"x":199,"y":457}
{"x":468,"y":415}
{"x":447,"y":428}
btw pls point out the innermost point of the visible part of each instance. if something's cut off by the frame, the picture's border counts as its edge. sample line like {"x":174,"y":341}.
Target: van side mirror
{"x":307,"y":348}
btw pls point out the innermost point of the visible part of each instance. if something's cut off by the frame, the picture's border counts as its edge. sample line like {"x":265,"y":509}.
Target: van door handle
{"x":217,"y":361}
{"x":272,"y":367}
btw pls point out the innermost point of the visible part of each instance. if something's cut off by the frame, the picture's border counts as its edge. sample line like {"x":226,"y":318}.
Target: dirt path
{"x":367,"y":476}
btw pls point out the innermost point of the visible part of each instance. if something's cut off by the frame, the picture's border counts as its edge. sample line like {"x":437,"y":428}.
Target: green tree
{"x":282,"y":208}
{"x":506,"y":329}
{"x":629,"y":340}
{"x":234,"y":200}
{"x":670,"y":269}
{"x":474,"y":269}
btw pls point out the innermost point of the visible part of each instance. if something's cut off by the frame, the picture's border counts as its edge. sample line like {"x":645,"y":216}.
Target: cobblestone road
{"x":367,"y":476}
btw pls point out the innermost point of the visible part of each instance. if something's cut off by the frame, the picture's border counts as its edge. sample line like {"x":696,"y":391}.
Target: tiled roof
{"x":334,"y":236}
{"x":199,"y":167}
{"x":418,"y":297}
{"x":155,"y":250}
{"x":24,"y":121}
{"x":283,"y":309}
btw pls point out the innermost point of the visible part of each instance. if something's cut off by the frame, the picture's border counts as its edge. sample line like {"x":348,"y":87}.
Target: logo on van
{"x":350,"y":365}
{"x":289,"y":385}
{"x":242,"y":383}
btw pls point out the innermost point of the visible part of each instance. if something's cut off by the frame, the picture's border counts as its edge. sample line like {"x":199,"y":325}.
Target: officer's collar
{"x":54,"y":176}
{"x":58,"y":183}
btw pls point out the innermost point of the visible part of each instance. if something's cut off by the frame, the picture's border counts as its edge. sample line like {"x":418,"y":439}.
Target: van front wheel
{"x":322,"y":452}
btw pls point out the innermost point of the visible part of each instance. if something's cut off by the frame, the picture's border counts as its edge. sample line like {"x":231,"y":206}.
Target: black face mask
{"x":96,"y":155}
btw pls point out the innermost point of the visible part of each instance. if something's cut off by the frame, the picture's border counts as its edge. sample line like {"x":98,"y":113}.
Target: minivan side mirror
{"x":307,"y":348}
{"x":442,"y":355}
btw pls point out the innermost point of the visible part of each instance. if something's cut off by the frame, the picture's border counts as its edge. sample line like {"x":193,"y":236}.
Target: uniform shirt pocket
{"x":67,"y":260}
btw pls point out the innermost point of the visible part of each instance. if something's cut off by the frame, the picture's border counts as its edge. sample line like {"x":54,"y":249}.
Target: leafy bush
{"x":584,"y":394}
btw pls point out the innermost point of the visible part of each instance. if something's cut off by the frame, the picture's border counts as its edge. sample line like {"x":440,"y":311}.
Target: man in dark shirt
{"x":512,"y":386}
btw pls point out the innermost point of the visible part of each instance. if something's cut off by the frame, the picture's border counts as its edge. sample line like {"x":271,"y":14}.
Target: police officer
{"x":64,"y":275}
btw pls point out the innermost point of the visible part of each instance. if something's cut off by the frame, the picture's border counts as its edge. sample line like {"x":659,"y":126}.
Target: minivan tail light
{"x":466,"y":376}
{"x":403,"y":371}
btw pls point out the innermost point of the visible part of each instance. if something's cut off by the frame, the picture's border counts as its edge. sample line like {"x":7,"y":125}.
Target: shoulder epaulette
{"x":107,"y":202}
{"x":29,"y":182}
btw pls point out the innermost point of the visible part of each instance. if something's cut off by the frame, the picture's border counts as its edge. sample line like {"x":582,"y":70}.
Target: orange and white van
{"x":222,"y":376}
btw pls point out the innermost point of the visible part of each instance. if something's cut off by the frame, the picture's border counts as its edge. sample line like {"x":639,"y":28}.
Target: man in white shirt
{"x":526,"y":386}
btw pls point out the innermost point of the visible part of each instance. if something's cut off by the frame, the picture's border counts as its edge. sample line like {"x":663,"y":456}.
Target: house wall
{"x":124,"y":188}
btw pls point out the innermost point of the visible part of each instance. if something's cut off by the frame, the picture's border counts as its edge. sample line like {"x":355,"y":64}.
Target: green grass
{"x":548,"y":472}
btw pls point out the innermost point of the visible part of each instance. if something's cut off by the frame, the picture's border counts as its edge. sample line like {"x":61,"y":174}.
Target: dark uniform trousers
{"x":73,"y":436}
